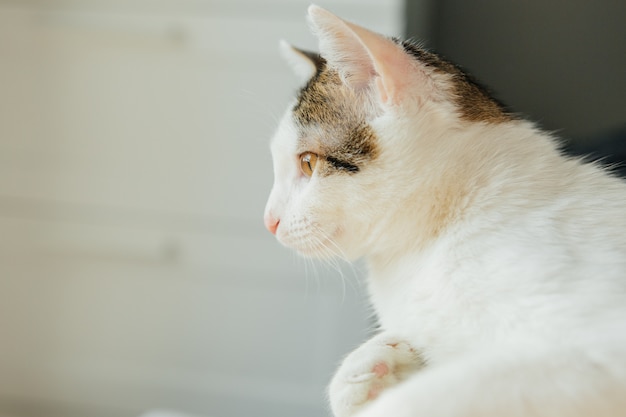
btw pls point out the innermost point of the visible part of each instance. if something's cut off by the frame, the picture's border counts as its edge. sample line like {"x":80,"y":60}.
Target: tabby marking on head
{"x":326,"y":108}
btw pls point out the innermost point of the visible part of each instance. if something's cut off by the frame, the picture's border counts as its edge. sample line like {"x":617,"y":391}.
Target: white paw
{"x":380,"y":363}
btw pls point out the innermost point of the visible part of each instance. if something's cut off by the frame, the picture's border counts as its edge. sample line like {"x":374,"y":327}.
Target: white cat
{"x":497,"y":266}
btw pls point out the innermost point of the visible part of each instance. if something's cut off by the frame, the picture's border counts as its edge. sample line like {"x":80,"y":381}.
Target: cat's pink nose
{"x":271,"y":223}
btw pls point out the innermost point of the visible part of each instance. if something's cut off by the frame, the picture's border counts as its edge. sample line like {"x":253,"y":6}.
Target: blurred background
{"x":135,"y":272}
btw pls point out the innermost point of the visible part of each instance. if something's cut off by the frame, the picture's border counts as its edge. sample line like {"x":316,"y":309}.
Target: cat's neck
{"x":488,"y":168}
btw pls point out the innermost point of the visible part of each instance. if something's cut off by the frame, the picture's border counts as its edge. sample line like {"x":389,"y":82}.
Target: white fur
{"x":301,"y":65}
{"x":517,"y":304}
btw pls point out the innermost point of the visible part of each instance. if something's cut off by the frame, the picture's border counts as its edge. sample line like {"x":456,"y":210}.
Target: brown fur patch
{"x":332,"y":121}
{"x":474,"y":101}
{"x":320,"y":101}
{"x":358,"y":149}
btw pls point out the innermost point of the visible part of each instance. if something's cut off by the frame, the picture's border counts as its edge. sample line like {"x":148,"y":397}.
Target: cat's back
{"x":552,"y":244}
{"x":536,"y":191}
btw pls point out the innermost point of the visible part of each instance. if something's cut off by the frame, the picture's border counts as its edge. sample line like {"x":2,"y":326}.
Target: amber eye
{"x":308,"y":160}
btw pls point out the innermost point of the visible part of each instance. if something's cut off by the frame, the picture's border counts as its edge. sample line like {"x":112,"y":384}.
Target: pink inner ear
{"x":389,"y":60}
{"x":362,"y":56}
{"x":341,"y":48}
{"x":382,"y":90}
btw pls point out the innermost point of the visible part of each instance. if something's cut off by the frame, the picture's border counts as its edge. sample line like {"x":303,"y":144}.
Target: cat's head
{"x":361,"y":140}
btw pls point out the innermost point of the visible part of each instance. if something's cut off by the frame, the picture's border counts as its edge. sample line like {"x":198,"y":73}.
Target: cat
{"x":497,"y":265}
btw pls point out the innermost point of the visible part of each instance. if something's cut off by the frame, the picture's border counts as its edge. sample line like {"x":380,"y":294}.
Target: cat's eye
{"x":308,"y":160}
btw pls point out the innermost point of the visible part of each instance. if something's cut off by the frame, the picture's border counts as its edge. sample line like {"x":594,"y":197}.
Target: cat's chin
{"x":317,"y":251}
{"x":316,"y":247}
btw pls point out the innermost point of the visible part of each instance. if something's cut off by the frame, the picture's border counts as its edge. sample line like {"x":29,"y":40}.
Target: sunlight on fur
{"x":496,"y":265}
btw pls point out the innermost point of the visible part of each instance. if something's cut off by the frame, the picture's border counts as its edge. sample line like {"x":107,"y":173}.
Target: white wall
{"x":135,"y":272}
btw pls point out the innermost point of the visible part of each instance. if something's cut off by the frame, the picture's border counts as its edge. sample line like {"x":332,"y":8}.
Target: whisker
{"x":328,"y":246}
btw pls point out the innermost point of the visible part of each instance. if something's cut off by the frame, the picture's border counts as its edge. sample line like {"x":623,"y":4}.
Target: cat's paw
{"x":378,"y":364}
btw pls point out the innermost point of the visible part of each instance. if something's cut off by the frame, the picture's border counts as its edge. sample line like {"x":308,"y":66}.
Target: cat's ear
{"x":362,"y":57}
{"x":304,"y":63}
